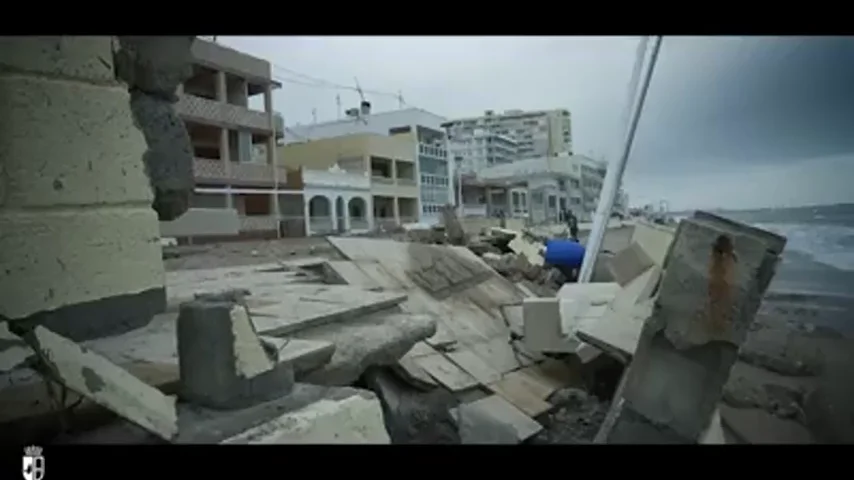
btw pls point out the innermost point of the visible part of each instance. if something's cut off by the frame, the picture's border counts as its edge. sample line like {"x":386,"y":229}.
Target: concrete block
{"x":82,"y":167}
{"x":493,"y":420}
{"x":628,"y":263}
{"x":200,"y":222}
{"x":543,"y":326}
{"x":65,"y":56}
{"x":105,"y":383}
{"x":380,"y":339}
{"x":47,"y":254}
{"x":706,"y":303}
{"x":353,"y":419}
{"x":222,"y":362}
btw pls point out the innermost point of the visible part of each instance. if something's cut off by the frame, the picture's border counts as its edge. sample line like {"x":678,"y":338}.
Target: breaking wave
{"x":828,"y":244}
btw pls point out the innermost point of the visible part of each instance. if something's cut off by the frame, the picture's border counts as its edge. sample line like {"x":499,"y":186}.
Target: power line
{"x":316,"y":82}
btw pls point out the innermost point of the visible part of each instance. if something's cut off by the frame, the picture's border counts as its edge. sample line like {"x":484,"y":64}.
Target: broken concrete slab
{"x":616,"y":332}
{"x":14,"y":352}
{"x":628,"y":263}
{"x":528,"y":388}
{"x":492,"y":420}
{"x":105,"y":383}
{"x":469,"y":361}
{"x":343,"y":272}
{"x":446,"y":372}
{"x":532,"y":251}
{"x":543,"y":330}
{"x":262,"y":423}
{"x":355,"y":419}
{"x":223,"y":363}
{"x":378,"y":339}
{"x":308,"y":306}
{"x":513,"y":315}
{"x":303,"y":355}
{"x":450,"y":283}
{"x":690,"y":342}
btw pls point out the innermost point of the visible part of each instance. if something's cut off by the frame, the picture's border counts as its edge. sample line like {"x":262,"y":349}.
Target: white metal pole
{"x":615,"y":172}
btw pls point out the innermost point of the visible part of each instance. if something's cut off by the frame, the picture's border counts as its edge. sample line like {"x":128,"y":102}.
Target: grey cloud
{"x":717,"y":105}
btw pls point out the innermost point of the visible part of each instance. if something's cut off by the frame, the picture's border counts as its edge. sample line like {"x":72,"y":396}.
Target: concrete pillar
{"x":394,"y":170}
{"x":715,"y":276}
{"x":225,"y":157}
{"x":221,"y":87}
{"x":396,"y":208}
{"x":333,"y":212}
{"x":306,"y":215}
{"x":268,"y":101}
{"x":79,"y":248}
{"x":223,"y":363}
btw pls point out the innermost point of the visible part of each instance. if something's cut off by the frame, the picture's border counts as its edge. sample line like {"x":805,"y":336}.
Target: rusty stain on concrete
{"x":721,"y":273}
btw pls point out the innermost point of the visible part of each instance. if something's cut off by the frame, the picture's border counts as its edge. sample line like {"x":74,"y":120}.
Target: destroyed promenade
{"x":390,"y":320}
{"x":405,"y":337}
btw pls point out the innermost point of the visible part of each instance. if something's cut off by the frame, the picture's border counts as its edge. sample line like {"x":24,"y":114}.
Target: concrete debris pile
{"x":283,"y":353}
{"x":409,"y":342}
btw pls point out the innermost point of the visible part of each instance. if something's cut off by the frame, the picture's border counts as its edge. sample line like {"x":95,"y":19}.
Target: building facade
{"x":482,"y":149}
{"x":427,"y":141}
{"x":538,"y":133}
{"x":534,"y":189}
{"x":233,"y":144}
{"x":357,"y":181}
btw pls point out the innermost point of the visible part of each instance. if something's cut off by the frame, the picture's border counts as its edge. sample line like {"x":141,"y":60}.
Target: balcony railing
{"x":431,"y":151}
{"x":253,"y":173}
{"x":204,"y":110}
{"x":259,"y":223}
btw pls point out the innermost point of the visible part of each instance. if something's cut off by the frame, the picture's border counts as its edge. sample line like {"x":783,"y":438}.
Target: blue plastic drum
{"x":564,"y":253}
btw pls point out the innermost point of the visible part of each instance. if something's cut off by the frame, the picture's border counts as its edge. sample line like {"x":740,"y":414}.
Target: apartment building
{"x":356,"y":182}
{"x":481,"y":149}
{"x":233,"y":143}
{"x":427,"y":141}
{"x":539,"y":133}
{"x":536,"y":189}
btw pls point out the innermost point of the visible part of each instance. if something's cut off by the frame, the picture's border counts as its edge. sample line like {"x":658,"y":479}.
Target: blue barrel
{"x":564,"y":253}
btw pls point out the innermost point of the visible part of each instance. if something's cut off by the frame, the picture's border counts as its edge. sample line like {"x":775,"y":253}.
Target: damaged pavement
{"x":415,"y":342}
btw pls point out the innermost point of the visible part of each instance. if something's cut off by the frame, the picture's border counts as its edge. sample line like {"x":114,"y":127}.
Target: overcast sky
{"x":731,"y":122}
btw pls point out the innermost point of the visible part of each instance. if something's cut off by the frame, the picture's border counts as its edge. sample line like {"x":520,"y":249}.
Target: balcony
{"x":222,"y":114}
{"x":431,"y":151}
{"x":239,"y":173}
{"x":335,"y":179}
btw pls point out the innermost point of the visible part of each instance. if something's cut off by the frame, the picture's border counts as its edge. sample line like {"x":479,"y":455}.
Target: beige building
{"x":234,"y":143}
{"x":382,"y":188}
{"x":538,"y":133}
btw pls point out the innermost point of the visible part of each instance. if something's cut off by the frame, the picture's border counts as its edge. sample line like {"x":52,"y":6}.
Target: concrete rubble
{"x":424,"y":341}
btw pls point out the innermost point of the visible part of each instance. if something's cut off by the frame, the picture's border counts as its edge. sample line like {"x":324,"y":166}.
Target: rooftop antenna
{"x":338,"y":103}
{"x":362,"y":96}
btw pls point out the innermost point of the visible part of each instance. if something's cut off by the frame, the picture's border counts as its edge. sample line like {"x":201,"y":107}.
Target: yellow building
{"x":379,"y":167}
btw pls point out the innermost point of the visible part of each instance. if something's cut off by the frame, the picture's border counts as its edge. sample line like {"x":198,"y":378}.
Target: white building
{"x":347,"y":206}
{"x":539,"y":133}
{"x":436,"y":187}
{"x":481,"y":149}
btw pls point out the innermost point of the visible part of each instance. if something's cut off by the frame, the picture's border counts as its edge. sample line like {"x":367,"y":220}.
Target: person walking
{"x":572,"y":223}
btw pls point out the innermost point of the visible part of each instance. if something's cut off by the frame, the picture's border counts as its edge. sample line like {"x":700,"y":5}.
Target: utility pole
{"x":400,"y":101}
{"x":614,"y":173}
{"x":338,"y":103}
